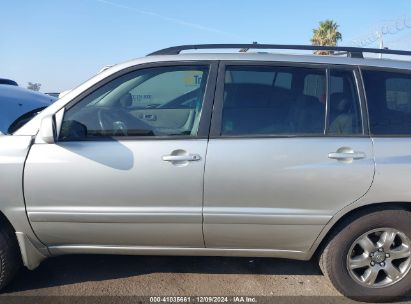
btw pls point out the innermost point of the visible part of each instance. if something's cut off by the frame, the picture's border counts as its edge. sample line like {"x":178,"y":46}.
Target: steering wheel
{"x":107,"y":120}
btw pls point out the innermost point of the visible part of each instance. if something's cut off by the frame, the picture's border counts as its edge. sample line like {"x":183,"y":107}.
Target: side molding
{"x":31,"y":256}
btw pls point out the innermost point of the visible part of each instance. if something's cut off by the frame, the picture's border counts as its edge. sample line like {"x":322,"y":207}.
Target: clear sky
{"x":61,"y":43}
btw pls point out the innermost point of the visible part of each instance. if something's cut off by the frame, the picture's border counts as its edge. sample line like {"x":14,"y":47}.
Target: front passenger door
{"x":128,"y":167}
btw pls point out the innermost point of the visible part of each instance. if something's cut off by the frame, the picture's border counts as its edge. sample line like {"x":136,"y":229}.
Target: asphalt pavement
{"x":104,"y":275}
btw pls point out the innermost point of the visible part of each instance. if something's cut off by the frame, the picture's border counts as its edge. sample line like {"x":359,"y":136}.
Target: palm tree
{"x":326,"y":34}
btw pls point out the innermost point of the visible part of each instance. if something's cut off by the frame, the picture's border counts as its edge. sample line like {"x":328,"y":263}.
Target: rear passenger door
{"x":287,"y":150}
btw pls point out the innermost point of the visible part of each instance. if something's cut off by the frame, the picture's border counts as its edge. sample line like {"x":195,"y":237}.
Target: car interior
{"x":389,"y":103}
{"x":261,"y":108}
{"x":121,"y":110}
{"x":263,"y":103}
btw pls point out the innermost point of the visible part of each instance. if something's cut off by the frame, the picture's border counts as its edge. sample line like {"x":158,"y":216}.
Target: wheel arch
{"x":5,"y":221}
{"x":342,"y":219}
{"x":30,"y":255}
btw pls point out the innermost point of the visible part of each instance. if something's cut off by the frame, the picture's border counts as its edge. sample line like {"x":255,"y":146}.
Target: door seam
{"x":32,"y":143}
{"x":206,"y":152}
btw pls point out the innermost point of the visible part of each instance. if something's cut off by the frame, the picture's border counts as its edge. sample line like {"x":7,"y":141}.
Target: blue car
{"x":19,"y":105}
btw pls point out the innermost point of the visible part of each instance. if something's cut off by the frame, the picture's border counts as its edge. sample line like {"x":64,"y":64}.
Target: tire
{"x":10,"y":257}
{"x":347,"y":243}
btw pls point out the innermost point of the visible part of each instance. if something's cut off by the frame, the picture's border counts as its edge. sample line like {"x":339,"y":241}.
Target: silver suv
{"x":233,"y":154}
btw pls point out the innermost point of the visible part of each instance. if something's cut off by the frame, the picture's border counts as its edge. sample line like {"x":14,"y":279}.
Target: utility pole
{"x":381,"y":38}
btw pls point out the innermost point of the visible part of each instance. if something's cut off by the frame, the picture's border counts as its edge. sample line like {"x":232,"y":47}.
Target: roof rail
{"x":354,"y":52}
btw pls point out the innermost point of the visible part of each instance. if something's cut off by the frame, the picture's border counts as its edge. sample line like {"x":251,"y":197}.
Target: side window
{"x":389,"y":102}
{"x":344,"y":110}
{"x":173,"y":84}
{"x":164,"y":101}
{"x":314,"y":85}
{"x":273,"y":100}
{"x":283,"y":80}
{"x":398,"y":94}
{"x":261,"y":77}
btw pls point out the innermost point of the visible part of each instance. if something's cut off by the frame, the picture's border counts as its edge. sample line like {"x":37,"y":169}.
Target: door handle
{"x":180,"y":158}
{"x":346,"y":155}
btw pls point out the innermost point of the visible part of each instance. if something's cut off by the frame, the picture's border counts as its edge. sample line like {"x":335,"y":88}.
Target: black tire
{"x":333,"y":259}
{"x":10,"y":257}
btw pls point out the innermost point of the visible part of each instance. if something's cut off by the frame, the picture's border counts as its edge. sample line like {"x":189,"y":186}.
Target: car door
{"x":287,"y":150}
{"x":127,"y":168}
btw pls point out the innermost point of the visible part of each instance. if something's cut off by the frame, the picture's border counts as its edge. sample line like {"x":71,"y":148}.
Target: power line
{"x":389,"y":27}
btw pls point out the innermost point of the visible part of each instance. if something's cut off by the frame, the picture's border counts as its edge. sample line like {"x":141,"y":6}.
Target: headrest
{"x":126,"y":101}
{"x":248,"y":95}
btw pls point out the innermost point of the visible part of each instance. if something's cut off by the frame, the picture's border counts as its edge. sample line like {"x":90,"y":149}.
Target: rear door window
{"x":314,"y":85}
{"x":274,"y":100}
{"x":344,"y":106}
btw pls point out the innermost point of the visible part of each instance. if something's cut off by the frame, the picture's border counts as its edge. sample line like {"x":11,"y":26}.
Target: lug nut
{"x":380,"y":250}
{"x":382,"y":264}
{"x":387,"y":255}
{"x":371,"y":254}
{"x":372,"y":263}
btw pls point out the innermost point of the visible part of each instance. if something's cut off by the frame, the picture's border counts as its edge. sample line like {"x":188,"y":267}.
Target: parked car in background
{"x":231,"y":154}
{"x":54,"y":94}
{"x":19,"y":105}
{"x":8,"y":81}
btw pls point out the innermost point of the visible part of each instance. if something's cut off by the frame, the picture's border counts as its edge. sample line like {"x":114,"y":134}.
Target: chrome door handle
{"x":179,"y":158}
{"x":346,"y":155}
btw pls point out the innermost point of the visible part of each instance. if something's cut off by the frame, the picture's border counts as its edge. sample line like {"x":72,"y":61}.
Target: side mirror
{"x":48,"y":133}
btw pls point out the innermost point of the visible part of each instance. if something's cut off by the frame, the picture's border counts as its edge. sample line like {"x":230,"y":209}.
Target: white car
{"x":18,"y":105}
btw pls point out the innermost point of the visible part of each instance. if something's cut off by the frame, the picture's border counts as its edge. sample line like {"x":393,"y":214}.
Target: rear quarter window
{"x":389,"y":102}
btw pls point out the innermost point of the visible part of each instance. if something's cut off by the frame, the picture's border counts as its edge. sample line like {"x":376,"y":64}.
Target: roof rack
{"x":354,"y":52}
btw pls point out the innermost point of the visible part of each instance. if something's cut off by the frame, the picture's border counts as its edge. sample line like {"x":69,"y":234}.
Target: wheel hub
{"x":378,"y":257}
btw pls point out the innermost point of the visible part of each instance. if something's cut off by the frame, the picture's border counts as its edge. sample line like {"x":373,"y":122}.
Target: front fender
{"x":13,"y":153}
